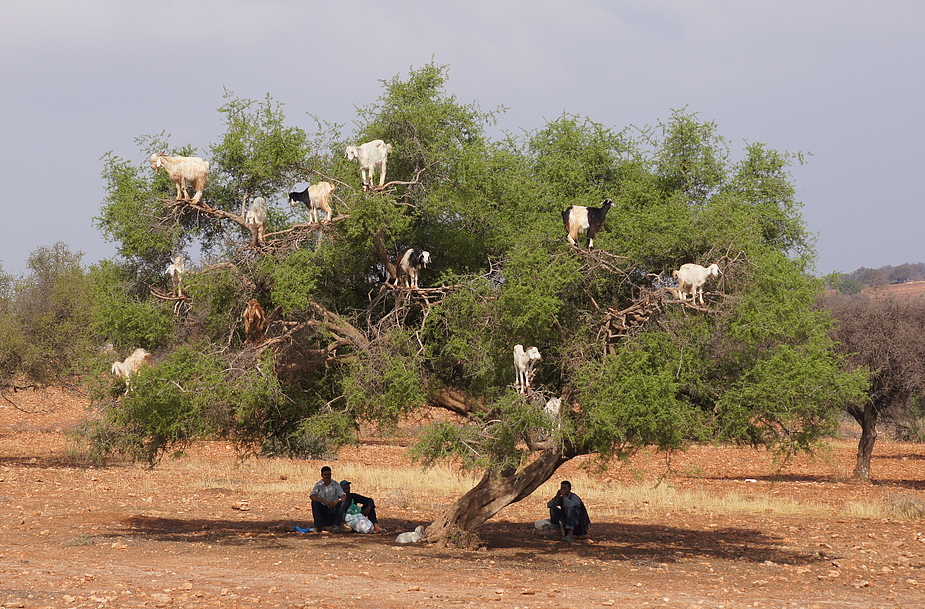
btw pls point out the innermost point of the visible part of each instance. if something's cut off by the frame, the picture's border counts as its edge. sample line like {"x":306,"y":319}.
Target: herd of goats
{"x":372,"y":157}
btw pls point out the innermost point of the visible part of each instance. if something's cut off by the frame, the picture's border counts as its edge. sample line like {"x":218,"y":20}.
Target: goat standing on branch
{"x":523,"y":366}
{"x":183,"y":168}
{"x":256,"y":220}
{"x":580,"y":219}
{"x":316,"y":197}
{"x":125,"y":369}
{"x":410,"y":262}
{"x":176,"y":271}
{"x":254,"y":322}
{"x":371,"y":155}
{"x":691,"y":278}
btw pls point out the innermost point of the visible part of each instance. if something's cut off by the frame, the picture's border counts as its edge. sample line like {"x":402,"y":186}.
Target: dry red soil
{"x":127,"y":536}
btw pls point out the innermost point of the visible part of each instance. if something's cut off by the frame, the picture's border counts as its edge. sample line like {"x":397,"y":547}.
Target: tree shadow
{"x":822,"y":479}
{"x":258,"y":533}
{"x":650,"y":544}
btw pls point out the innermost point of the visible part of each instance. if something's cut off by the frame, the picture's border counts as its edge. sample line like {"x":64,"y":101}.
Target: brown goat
{"x":254,"y":321}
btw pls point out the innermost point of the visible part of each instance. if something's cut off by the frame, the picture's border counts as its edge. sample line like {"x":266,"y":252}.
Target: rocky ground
{"x":127,"y":536}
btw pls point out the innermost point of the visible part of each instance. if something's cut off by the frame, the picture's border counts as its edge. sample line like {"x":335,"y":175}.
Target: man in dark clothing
{"x":329,"y":502}
{"x":364,"y":505}
{"x":568,"y":513}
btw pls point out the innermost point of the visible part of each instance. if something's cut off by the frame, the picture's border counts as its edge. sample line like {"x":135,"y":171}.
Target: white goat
{"x":411,"y":536}
{"x":256,"y":220}
{"x":370,"y":155}
{"x":316,"y":197}
{"x":523,"y":366}
{"x":175,"y":271}
{"x":410,"y":263}
{"x":126,"y":368}
{"x":183,"y":168}
{"x":553,"y":407}
{"x":691,"y":278}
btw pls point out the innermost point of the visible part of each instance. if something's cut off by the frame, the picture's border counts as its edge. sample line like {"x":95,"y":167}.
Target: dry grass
{"x":609,"y":499}
{"x":291,"y":476}
{"x":613,"y":499}
{"x":894,"y":506}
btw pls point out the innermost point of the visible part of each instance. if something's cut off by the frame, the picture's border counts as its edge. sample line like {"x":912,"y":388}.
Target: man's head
{"x":345,"y":484}
{"x":565,"y":488}
{"x":326,"y":474}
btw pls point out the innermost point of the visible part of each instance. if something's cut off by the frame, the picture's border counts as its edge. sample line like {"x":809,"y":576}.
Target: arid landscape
{"x":711,"y":527}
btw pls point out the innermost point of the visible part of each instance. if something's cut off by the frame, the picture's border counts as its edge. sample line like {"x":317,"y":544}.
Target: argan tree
{"x":634,"y":366}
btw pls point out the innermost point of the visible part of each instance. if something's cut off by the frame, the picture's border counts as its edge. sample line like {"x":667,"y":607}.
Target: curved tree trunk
{"x":867,"y":418}
{"x":495,"y":491}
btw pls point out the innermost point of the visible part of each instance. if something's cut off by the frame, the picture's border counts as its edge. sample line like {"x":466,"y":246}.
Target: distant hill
{"x":910,"y":290}
{"x":904,"y":278}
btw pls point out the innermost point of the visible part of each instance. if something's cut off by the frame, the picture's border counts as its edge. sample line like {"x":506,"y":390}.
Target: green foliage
{"x":850,"y":287}
{"x":580,"y":157}
{"x":189,"y":396}
{"x":753,"y":365}
{"x":295,"y":279}
{"x":123,"y":318}
{"x":258,"y":155}
{"x":132,"y":216}
{"x":635,"y":399}
{"x":387,"y":385}
{"x":46,"y":315}
{"x":425,"y":126}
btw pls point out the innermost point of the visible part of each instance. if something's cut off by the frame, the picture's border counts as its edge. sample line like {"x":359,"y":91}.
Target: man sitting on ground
{"x":329,"y":502}
{"x":365,"y":505}
{"x":568,"y":513}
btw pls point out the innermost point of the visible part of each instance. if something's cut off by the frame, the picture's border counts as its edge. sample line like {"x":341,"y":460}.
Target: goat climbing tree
{"x":344,"y":344}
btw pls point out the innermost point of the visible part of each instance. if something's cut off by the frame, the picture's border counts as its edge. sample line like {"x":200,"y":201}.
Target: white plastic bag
{"x":359,"y":523}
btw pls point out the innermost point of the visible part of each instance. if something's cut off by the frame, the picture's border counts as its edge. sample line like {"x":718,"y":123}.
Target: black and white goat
{"x":317,"y":198}
{"x":410,"y":262}
{"x":581,"y":219}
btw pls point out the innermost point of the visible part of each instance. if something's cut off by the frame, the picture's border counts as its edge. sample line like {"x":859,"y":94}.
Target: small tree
{"x":882,"y":337}
{"x":47,"y":318}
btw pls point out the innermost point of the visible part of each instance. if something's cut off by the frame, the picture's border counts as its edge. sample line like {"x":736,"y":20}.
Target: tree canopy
{"x":633,"y":365}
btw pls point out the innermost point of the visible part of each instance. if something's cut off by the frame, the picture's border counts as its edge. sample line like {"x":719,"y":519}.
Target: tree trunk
{"x":495,"y":491}
{"x":868,"y":421}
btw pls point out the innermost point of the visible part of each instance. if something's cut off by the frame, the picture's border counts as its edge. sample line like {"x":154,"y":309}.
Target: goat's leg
{"x":382,"y":173}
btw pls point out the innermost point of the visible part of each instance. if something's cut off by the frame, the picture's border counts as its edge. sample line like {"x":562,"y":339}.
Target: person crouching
{"x":568,"y":513}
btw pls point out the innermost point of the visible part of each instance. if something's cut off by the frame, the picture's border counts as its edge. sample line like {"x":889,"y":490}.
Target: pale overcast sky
{"x":840,"y":79}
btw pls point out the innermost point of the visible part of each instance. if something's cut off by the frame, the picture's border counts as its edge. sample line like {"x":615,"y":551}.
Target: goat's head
{"x":156,"y":160}
{"x":534,"y":354}
{"x":425,"y":257}
{"x":713,"y":269}
{"x":351,"y":153}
